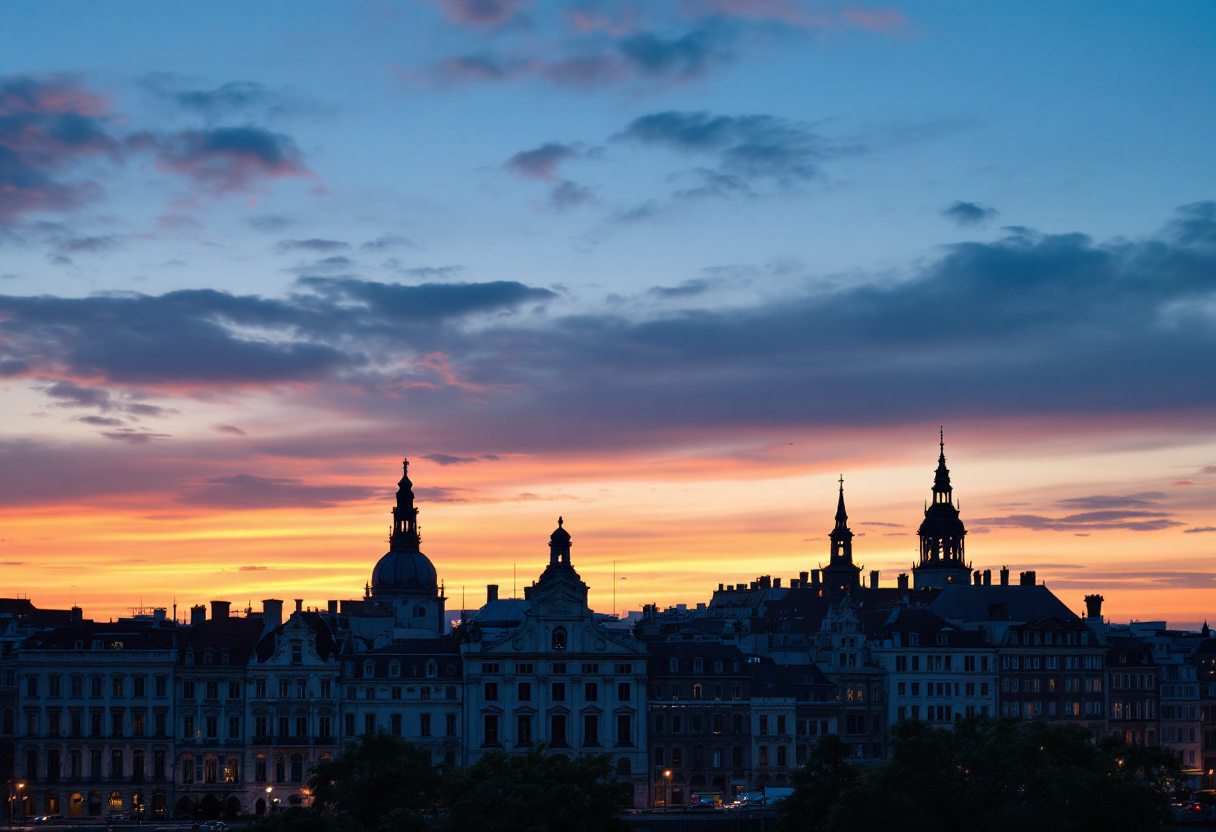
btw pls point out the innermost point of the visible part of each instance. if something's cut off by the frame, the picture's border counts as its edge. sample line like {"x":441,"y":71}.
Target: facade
{"x":558,"y":677}
{"x":1054,"y":669}
{"x":934,"y":671}
{"x":95,"y":709}
{"x":1132,"y":684}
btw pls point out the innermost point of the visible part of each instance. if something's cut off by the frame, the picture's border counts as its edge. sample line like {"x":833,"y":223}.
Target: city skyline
{"x":668,"y":270}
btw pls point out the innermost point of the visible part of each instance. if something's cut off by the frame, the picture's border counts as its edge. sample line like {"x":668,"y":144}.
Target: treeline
{"x":984,"y":775}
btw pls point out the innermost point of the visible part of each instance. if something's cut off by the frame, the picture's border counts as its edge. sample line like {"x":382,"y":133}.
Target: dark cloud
{"x":337,"y":264}
{"x":386,"y":242}
{"x":481,"y":13}
{"x":747,"y":151}
{"x":688,"y":55}
{"x":441,"y":494}
{"x":1199,"y":530}
{"x":428,"y":302}
{"x":230,"y":429}
{"x":226,"y":159}
{"x":1114,"y":520}
{"x":312,"y":245}
{"x":89,"y":245}
{"x":1208,"y":469}
{"x":541,"y":162}
{"x":1161,"y":579}
{"x":1141,"y":500}
{"x":448,"y":459}
{"x":566,"y":195}
{"x":49,"y":126}
{"x":243,"y":99}
{"x":434,"y":272}
{"x":965,"y":214}
{"x":687,"y":289}
{"x":101,"y":421}
{"x":248,"y":491}
{"x":878,"y":523}
{"x":71,"y":394}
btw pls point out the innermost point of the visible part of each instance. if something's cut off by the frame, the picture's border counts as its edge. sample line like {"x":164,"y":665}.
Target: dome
{"x":560,"y":536}
{"x":404,"y":572}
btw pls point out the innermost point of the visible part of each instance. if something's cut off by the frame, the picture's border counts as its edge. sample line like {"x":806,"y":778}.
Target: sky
{"x":668,"y":269}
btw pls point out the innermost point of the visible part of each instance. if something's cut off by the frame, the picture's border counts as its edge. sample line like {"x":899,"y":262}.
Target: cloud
{"x":386,"y":242}
{"x":71,"y":394}
{"x":242,"y":99}
{"x":965,"y":214}
{"x":481,"y":13}
{"x":566,"y":195}
{"x":227,"y":159}
{"x":687,"y":289}
{"x":248,"y":491}
{"x":1199,"y":530}
{"x":448,"y":459}
{"x":89,"y":245}
{"x":253,"y":568}
{"x":312,"y":245}
{"x":1143,"y":499}
{"x":1127,"y":520}
{"x":1161,"y":579}
{"x":49,"y":127}
{"x":100,"y":421}
{"x":270,"y":222}
{"x":747,"y":150}
{"x":133,"y":436}
{"x":1208,"y":469}
{"x":541,"y":162}
{"x":232,"y":430}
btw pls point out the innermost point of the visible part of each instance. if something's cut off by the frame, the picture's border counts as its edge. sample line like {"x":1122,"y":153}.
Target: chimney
{"x":987,"y":577}
{"x":158,"y":615}
{"x":299,"y":605}
{"x":873,"y":579}
{"x":1026,"y":578}
{"x":77,"y":614}
{"x":1004,"y":576}
{"x":976,"y":577}
{"x":272,"y":614}
{"x":740,"y":587}
{"x":219,"y":609}
{"x":528,"y":593}
{"x":776,"y":583}
{"x":765,"y":582}
{"x":333,"y":607}
{"x":1093,"y":606}
{"x":754,"y":585}
{"x":491,"y":593}
{"x":902,"y":580}
{"x":814,"y":579}
{"x":721,"y":587}
{"x":794,"y":584}
{"x":198,"y":614}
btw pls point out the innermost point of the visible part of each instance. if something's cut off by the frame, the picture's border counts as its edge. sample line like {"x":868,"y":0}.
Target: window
{"x":525,"y":691}
{"x":369,"y":723}
{"x":297,"y":768}
{"x":736,"y":723}
{"x":491,"y":692}
{"x":117,"y":687}
{"x":524,"y":667}
{"x":764,"y":755}
{"x":324,"y":727}
{"x":559,"y":692}
{"x":624,"y":692}
{"x":591,"y":729}
{"x":284,"y":688}
{"x":394,"y":692}
{"x":763,"y":725}
{"x":450,"y":725}
{"x":424,"y":725}
{"x":624,"y":729}
{"x":489,"y":667}
{"x":284,"y":726}
{"x":259,"y":769}
{"x":234,"y":727}
{"x":658,"y":756}
{"x":349,"y":727}
{"x":301,"y":726}
{"x":559,"y":638}
{"x":698,"y":665}
{"x":591,"y":692}
{"x":140,"y":687}
{"x":673,"y":665}
{"x":326,"y":689}
{"x":116,"y":723}
{"x":297,"y":656}
{"x":781,"y":755}
{"x":301,"y":688}
{"x":490,"y":729}
{"x":187,"y":767}
{"x":395,"y":725}
{"x":717,"y":723}
{"x":138,"y":725}
{"x":589,"y":668}
{"x":557,"y":730}
{"x":280,"y":769}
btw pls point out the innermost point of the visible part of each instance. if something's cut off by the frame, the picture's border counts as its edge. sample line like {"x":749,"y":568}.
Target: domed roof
{"x":404,"y":572}
{"x":560,"y":536}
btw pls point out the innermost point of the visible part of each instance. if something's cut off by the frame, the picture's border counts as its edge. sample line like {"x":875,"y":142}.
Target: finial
{"x":559,"y":522}
{"x":941,"y":437}
{"x":842,"y":483}
{"x":405,"y":464}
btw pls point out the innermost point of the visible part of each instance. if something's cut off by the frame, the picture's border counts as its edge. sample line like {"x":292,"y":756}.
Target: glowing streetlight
{"x":667,"y":797}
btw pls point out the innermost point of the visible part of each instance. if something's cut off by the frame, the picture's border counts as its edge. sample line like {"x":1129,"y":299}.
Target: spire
{"x":842,"y":516}
{"x":942,"y":489}
{"x":405,"y":537}
{"x":559,"y":545}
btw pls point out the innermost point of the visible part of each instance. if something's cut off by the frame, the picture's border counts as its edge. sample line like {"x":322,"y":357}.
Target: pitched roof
{"x":970,"y":603}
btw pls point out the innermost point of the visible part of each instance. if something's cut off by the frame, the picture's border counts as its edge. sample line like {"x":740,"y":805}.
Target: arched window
{"x":419,"y":611}
{"x":187,"y":768}
{"x":297,"y":768}
{"x":432,"y":669}
{"x":696,"y":692}
{"x":559,"y":638}
{"x":189,"y":658}
{"x":115,"y":802}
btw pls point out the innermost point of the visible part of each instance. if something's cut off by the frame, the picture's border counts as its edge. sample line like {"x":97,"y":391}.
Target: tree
{"x":998,"y":776}
{"x":380,"y":782}
{"x":818,"y":783}
{"x":534,"y":793}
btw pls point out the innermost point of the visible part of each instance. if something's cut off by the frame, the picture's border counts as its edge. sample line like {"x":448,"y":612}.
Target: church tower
{"x":942,"y":559}
{"x":841,"y":575}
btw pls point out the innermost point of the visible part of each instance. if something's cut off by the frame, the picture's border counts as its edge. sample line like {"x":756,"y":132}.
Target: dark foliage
{"x":989,"y":775}
{"x":534,"y":793}
{"x":380,"y":783}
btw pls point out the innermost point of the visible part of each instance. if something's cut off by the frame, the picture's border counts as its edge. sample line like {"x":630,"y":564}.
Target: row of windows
{"x":55,"y":764}
{"x":1132,"y":710}
{"x":1069,"y":685}
{"x":559,"y":736}
{"x":395,"y":692}
{"x":96,"y":686}
{"x":1051,"y":662}
{"x":75,"y":724}
{"x":528,"y":668}
{"x":939,"y":663}
{"x":939,"y":713}
{"x":696,"y":723}
{"x":1066,"y":639}
{"x":1133,"y":681}
{"x":697,"y":758}
{"x":1068,"y":709}
{"x":558,"y":691}
{"x":430,"y":669}
{"x":697,"y":691}
{"x":425,"y":728}
{"x":940,"y":689}
{"x":698,"y":665}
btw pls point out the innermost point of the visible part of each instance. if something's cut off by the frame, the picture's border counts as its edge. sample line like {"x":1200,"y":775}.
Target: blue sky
{"x":251,"y":252}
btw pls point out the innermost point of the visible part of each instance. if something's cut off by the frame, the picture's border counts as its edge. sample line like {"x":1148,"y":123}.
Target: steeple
{"x":559,"y":545}
{"x":941,"y":533}
{"x":942,"y":491}
{"x":405,"y":537}
{"x":841,"y":574}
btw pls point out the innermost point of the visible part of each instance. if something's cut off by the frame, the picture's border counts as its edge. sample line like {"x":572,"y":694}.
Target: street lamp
{"x":269,"y":789}
{"x":16,"y":797}
{"x":667,"y":796}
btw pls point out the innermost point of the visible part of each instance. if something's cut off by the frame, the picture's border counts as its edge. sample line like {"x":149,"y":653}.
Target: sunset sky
{"x":667,"y":268}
